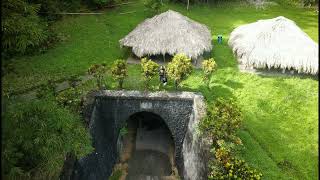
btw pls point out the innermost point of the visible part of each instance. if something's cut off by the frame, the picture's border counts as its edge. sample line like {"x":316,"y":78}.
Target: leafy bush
{"x":220,"y":126}
{"x":119,"y":71}
{"x":36,"y":137}
{"x":208,"y":67}
{"x":222,"y":122}
{"x":227,"y":167}
{"x":149,"y":70}
{"x":98,"y":71}
{"x":71,"y":98}
{"x":21,"y":28}
{"x":179,"y":68}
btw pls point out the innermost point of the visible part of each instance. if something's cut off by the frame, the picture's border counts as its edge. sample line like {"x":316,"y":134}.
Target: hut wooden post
{"x":164,"y":57}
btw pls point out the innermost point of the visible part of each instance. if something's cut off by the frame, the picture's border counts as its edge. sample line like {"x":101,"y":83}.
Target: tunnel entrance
{"x":123,"y":149}
{"x":146,"y":148}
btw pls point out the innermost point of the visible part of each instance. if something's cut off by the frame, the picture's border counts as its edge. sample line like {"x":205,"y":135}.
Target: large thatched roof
{"x":171,"y":33}
{"x":277,"y":43}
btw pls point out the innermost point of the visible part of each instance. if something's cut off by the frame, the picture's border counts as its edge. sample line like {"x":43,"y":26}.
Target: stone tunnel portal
{"x":177,"y":114}
{"x":146,"y":148}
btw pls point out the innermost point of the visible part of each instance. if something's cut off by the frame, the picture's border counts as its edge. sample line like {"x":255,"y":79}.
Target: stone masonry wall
{"x":111,"y":109}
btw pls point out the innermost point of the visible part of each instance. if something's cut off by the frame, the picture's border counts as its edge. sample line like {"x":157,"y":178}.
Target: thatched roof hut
{"x":275,"y":43}
{"x":169,"y":33}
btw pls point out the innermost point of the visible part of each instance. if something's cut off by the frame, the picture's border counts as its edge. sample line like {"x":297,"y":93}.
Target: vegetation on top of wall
{"x":179,"y":68}
{"x":98,"y":71}
{"x":119,"y":71}
{"x":36,"y":137}
{"x":149,"y":70}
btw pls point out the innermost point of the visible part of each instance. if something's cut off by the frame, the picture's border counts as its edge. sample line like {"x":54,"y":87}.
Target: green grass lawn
{"x":280,"y":130}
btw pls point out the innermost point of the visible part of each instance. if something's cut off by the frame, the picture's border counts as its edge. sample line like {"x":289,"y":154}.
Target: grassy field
{"x":280,"y":131}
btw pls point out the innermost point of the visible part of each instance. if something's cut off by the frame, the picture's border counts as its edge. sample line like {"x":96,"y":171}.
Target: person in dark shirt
{"x":163,"y":75}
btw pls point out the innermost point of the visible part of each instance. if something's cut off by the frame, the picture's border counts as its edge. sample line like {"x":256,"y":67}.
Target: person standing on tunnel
{"x":163,"y":75}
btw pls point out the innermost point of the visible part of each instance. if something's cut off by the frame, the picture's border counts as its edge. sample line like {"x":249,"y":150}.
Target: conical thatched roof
{"x":171,"y":33}
{"x":277,"y":43}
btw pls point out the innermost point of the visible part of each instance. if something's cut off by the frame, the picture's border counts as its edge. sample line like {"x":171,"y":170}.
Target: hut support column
{"x":164,"y":57}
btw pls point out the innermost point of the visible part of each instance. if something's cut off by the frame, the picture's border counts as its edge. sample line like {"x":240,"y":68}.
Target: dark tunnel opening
{"x":146,"y":148}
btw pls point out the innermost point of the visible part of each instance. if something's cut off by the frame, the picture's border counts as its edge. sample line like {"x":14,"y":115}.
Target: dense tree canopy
{"x":21,"y":26}
{"x":36,"y":137}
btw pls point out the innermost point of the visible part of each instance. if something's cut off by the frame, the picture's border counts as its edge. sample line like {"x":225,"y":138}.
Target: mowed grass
{"x":280,"y":129}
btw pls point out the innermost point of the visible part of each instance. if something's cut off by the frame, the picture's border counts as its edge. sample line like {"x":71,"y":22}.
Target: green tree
{"x":37,"y":135}
{"x":119,"y":71}
{"x":179,"y":68}
{"x":208,"y":67}
{"x":21,"y":27}
{"x":98,"y":71}
{"x":149,"y":70}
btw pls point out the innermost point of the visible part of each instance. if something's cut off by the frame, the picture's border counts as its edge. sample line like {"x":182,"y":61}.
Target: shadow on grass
{"x":273,"y":72}
{"x":216,"y":89}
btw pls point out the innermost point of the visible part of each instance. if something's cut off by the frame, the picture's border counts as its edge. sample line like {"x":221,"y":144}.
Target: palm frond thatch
{"x":169,"y":33}
{"x":275,"y":43}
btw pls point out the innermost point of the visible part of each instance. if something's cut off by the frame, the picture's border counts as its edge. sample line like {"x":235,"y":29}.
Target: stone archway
{"x":109,"y":112}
